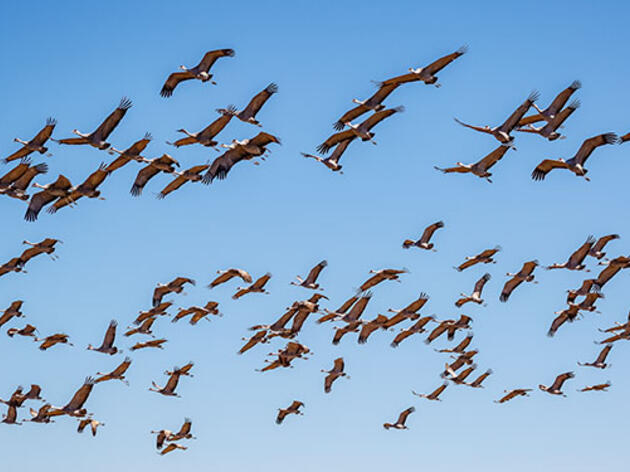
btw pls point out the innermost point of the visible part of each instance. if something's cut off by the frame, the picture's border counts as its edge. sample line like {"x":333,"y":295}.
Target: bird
{"x":450,"y":327}
{"x":612,"y":268}
{"x":58,"y":189}
{"x":465,"y":358}
{"x":183,"y":433}
{"x":624,"y":138}
{"x":238,"y":151}
{"x":94,"y":424}
{"x":11,"y":416}
{"x":164,"y":163}
{"x":189,"y":175}
{"x":98,"y":137}
{"x":585,"y":288}
{"x":17,"y":398}
{"x":311,"y":279}
{"x":206,"y":136}
{"x":46,"y":246}
{"x":174,"y":286}
{"x":426,"y":74}
{"x":256,"y":287}
{"x":351,"y":327}
{"x":354,"y":312}
{"x":159,"y":310}
{"x":597,"y":249}
{"x":485,"y":257}
{"x":168,"y":389}
{"x":434,"y":395}
{"x":576,"y":163}
{"x":162,"y":434}
{"x":423,"y":242}
{"x":380,"y":276}
{"x":478,"y":381}
{"x":226,"y":275}
{"x":87,"y":189}
{"x":292,"y":409}
{"x":361,"y":130}
{"x":475,"y":296}
{"x":600,"y":362}
{"x":549,"y":130}
{"x":107,"y":346}
{"x":479,"y":168}
{"x":368,"y":327}
{"x":132,"y":153}
{"x":16,"y":181}
{"x":576,"y":260}
{"x":259,"y":337}
{"x":332,"y":161}
{"x":184,"y":370}
{"x":558,"y":103}
{"x":341,"y":311}
{"x":13,"y":311}
{"x":75,"y":407}
{"x":410,"y":312}
{"x":526,"y":274}
{"x":42,"y":415}
{"x":117,"y":374}
{"x":28,"y":330}
{"x":171,"y":447}
{"x":152,"y":343}
{"x":458,"y":378}
{"x":197,"y":312}
{"x":336,"y":372}
{"x":461,"y":347}
{"x":50,"y":341}
{"x":37,"y":144}
{"x":596,"y":388}
{"x":143,"y":328}
{"x":400,"y":422}
{"x":34,"y":393}
{"x":13,"y":265}
{"x":511,"y":394}
{"x":248,"y":114}
{"x":502,"y":133}
{"x":556,"y":387}
{"x":280,"y":324}
{"x":374,"y":103}
{"x":199,"y":72}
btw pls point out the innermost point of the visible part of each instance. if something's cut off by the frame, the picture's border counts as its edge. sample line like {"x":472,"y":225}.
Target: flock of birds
{"x":348,"y":318}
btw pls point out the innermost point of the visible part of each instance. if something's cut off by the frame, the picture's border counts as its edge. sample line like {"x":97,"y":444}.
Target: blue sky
{"x":76,"y":61}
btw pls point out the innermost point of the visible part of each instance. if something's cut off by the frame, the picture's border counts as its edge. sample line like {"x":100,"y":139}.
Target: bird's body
{"x":292,"y":409}
{"x":37,"y":144}
{"x":336,"y":372}
{"x":480,"y":168}
{"x":88,"y":189}
{"x":400,"y":422}
{"x":424,"y":241}
{"x":156,"y":343}
{"x":200,"y":72}
{"x":174,"y":286}
{"x":485,"y":257}
{"x":556,"y":387}
{"x":549,"y":130}
{"x":164,"y":163}
{"x":434,"y":395}
{"x":475,"y":296}
{"x":59,"y":189}
{"x":511,"y":394}
{"x":117,"y":374}
{"x":526,"y":274}
{"x":311,"y":279}
{"x":257,"y":287}
{"x":555,"y":107}
{"x":15,"y":182}
{"x":189,"y":175}
{"x":107,"y":346}
{"x":248,"y":114}
{"x":132,"y":153}
{"x":374,"y":103}
{"x":600,"y":362}
{"x":206,"y":136}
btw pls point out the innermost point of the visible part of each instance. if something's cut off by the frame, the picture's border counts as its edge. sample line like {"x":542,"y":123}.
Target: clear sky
{"x":75,"y":60}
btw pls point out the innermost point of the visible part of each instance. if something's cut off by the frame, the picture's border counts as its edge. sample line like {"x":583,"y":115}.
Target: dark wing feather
{"x":491,"y":159}
{"x":334,"y":140}
{"x":429,"y":230}
{"x":25,"y":179}
{"x":144,"y":175}
{"x":519,"y":113}
{"x":591,"y":144}
{"x":563,"y":97}
{"x":174,"y":185}
{"x":256,"y":103}
{"x":173,"y":80}
{"x":379,"y":116}
{"x":547,"y":166}
{"x":211,"y":57}
{"x":442,"y":62}
{"x":105,"y":129}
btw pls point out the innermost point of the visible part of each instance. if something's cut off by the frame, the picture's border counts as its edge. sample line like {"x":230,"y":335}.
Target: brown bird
{"x":259,"y":337}
{"x":238,"y":151}
{"x":465,"y":358}
{"x":226,"y":275}
{"x":475,"y":296}
{"x":117,"y":374}
{"x":189,"y":175}
{"x":34,"y":393}
{"x":558,"y":103}
{"x":479,"y":380}
{"x":333,"y":374}
{"x":144,"y":328}
{"x":14,"y":265}
{"x":41,"y":415}
{"x":47,"y":246}
{"x":459,"y":379}
{"x":98,"y":137}
{"x":206,"y":136}
{"x":17,"y":398}
{"x":511,"y":394}
{"x":342,"y":310}
{"x":162,"y":434}
{"x":11,"y":416}
{"x":132,"y":153}
{"x":87,"y":189}
{"x":526,"y":274}
{"x":332,"y":161}
{"x":199,"y":72}
{"x":502,"y":133}
{"x":292,"y":409}
{"x":450,"y":327}
{"x":59,"y":189}
{"x":434,"y":394}
{"x":576,"y":260}
{"x":311,"y":279}
{"x":479,"y":168}
{"x":374,"y":103}
{"x":75,"y":406}
{"x":14,"y":311}
{"x":461,"y":347}
{"x":15,"y":182}
{"x":159,"y":310}
{"x":171,"y":447}
{"x":556,"y":387}
{"x":50,"y":341}
{"x":94,"y":424}
{"x":28,"y":330}
{"x":361,"y":130}
{"x":596,"y":250}
{"x":168,"y":389}
{"x":596,"y":388}
{"x":380,"y":276}
{"x":153,"y":343}
{"x":248,"y":114}
{"x":198,"y":312}
{"x":624,"y":138}
{"x":107,"y":346}
{"x":625,"y":335}
{"x":426,"y":74}
{"x":600,"y":362}
{"x":485,"y":257}
{"x":355,"y":311}
{"x":34,"y":145}
{"x":549,"y":130}
{"x":184,"y":370}
{"x":368,"y":327}
{"x":174,"y":286}
{"x":256,"y":287}
{"x":280,"y":324}
{"x":410,"y":312}
{"x":164,"y":163}
{"x":576,"y":163}
{"x":183,"y":433}
{"x":351,"y":327}
{"x":423,"y":242}
{"x":585,"y":288}
{"x":400,"y":422}
{"x":612,"y":268}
